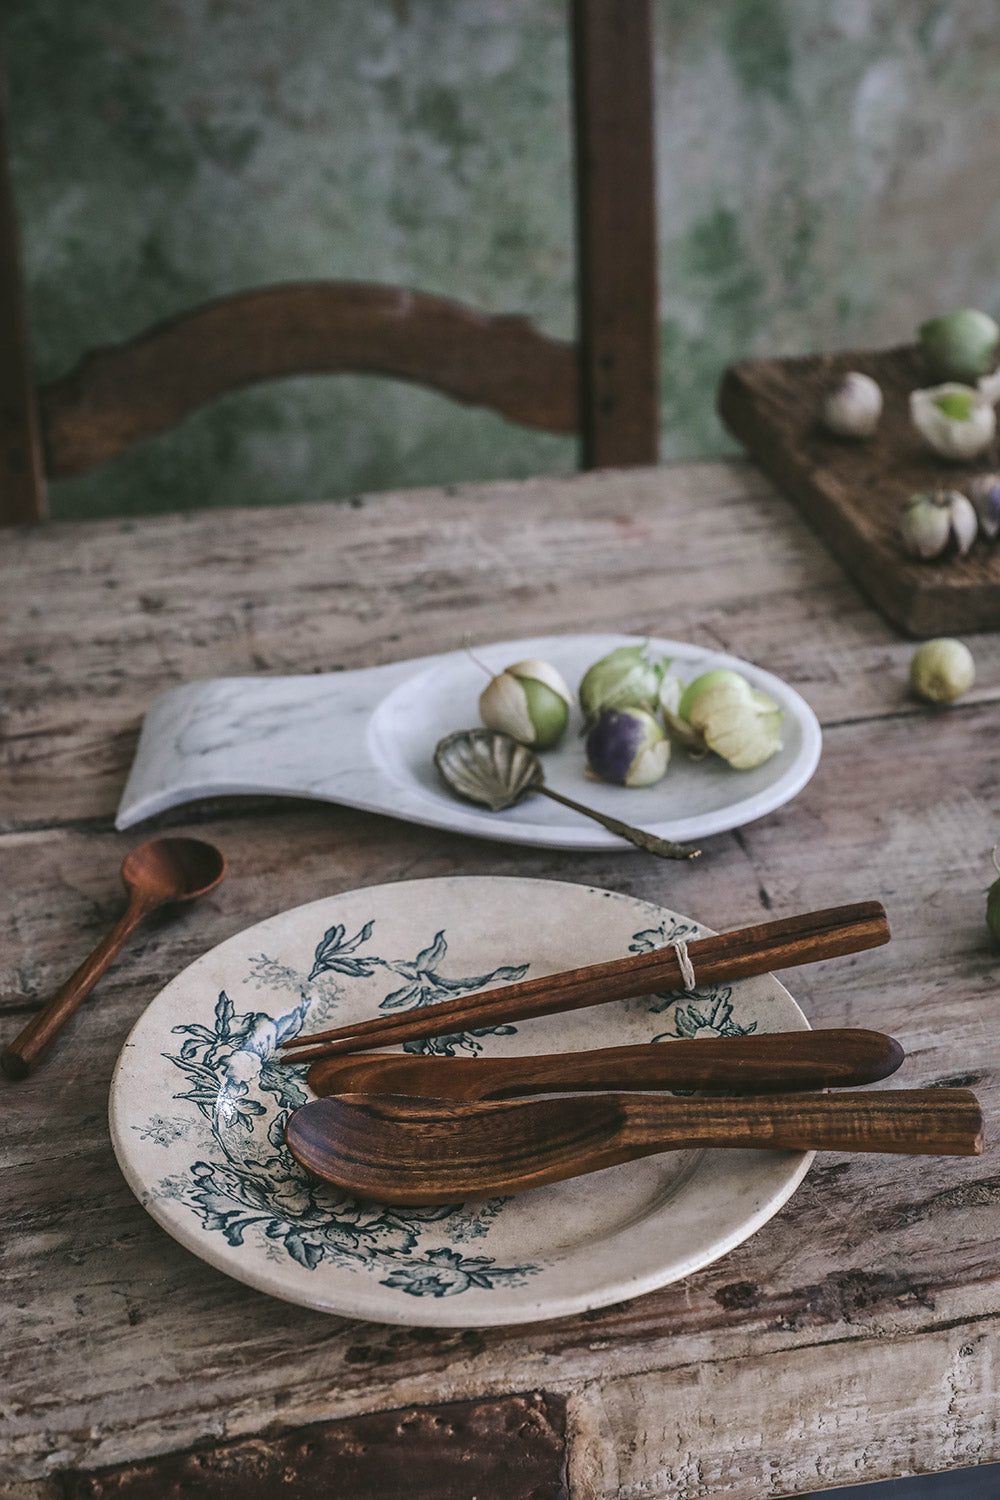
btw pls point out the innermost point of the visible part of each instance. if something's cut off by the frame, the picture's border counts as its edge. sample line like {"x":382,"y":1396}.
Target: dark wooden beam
{"x":616,"y":232}
{"x":125,"y":392}
{"x":22,"y":476}
{"x":508,"y":1449}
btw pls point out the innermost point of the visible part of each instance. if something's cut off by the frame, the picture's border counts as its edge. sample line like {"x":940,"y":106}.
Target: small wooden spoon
{"x":421,"y":1151}
{"x":155,"y":873}
{"x":735,"y":1064}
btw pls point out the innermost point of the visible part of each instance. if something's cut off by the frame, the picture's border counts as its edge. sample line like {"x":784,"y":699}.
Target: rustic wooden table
{"x":853,"y":1337}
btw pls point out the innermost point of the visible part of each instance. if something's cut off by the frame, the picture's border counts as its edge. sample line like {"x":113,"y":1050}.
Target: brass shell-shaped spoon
{"x":495,"y":771}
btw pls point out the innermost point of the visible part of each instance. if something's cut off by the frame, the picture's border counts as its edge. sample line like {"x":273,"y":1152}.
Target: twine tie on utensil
{"x":680,"y":947}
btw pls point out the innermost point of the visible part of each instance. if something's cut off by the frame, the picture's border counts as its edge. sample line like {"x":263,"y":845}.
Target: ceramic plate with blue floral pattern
{"x":199,"y":1103}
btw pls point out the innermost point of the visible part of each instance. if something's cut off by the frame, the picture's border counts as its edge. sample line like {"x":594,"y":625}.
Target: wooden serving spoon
{"x":422,"y":1151}
{"x":735,"y":1064}
{"x":155,"y":873}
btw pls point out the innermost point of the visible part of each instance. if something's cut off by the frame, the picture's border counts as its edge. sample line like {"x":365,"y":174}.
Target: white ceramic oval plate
{"x":199,"y":1102}
{"x":696,"y":797}
{"x":366,"y":738}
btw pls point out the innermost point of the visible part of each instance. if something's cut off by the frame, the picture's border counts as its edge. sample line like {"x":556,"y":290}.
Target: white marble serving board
{"x":366,"y":739}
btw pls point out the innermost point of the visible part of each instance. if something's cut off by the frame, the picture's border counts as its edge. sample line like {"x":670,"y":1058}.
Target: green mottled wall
{"x":828,"y":174}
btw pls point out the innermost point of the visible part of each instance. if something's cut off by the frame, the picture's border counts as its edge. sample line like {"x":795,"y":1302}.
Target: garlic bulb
{"x":938,"y":523}
{"x":626,"y":746}
{"x":957,"y":421}
{"x":984,"y":492}
{"x":722,"y":712}
{"x":853,"y":407}
{"x":942,"y":670}
{"x":530,"y":702}
{"x":960,"y":345}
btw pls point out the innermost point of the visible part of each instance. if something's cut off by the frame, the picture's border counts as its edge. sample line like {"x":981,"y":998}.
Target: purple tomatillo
{"x":626,"y":746}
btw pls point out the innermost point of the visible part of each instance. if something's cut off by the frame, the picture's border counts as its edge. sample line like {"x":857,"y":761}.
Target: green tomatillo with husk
{"x":626,"y":678}
{"x":529,"y":701}
{"x":722,"y":712}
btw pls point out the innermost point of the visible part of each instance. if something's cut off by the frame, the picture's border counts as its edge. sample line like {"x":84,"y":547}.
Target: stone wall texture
{"x":828,"y":175}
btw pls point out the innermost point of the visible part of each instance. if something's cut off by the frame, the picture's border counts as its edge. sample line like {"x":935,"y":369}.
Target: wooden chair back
{"x":604,"y":386}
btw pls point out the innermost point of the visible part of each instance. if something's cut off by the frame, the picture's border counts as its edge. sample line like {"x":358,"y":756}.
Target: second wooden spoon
{"x":735,"y":1064}
{"x":423,"y":1151}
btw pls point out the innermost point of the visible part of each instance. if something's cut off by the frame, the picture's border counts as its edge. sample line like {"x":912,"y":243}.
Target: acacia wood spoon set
{"x":428,"y":1129}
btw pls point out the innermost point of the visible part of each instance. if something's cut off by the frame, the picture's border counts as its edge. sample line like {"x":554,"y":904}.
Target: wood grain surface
{"x":510,"y":1449}
{"x":853,"y":1337}
{"x":853,"y":492}
{"x":160,"y":872}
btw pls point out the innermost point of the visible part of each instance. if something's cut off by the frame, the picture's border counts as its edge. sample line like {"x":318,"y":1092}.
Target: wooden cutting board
{"x":852,"y":492}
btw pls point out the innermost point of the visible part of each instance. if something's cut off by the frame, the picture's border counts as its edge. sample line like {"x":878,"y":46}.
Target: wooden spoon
{"x":421,"y":1151}
{"x":155,"y":873}
{"x":736,"y":1064}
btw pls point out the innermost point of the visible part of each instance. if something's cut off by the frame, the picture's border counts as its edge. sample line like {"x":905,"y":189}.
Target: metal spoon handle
{"x":665,"y":848}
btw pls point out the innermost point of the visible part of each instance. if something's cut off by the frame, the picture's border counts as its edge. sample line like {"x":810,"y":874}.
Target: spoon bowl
{"x":394,"y":1149}
{"x":494,"y":770}
{"x":172,"y":869}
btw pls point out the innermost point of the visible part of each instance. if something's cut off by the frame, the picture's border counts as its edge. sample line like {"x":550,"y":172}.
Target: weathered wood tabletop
{"x":853,"y":1337}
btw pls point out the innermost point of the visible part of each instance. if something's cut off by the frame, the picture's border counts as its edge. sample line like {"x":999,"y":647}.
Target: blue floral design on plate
{"x":250,"y":1184}
{"x":707,"y":1010}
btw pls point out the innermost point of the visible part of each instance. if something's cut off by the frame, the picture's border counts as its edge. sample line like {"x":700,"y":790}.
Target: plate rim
{"x":373,"y":1303}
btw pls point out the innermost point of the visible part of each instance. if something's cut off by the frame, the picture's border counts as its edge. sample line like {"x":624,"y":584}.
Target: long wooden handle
{"x":33,"y":1041}
{"x":912,"y":1122}
{"x":806,"y":938}
{"x":831,"y":1058}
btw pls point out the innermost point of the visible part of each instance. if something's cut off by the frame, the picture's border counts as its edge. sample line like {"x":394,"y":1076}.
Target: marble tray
{"x":366,"y":738}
